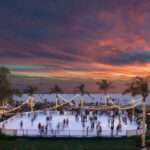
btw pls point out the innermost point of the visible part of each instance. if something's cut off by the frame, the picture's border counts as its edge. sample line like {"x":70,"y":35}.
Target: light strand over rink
{"x":102,"y":107}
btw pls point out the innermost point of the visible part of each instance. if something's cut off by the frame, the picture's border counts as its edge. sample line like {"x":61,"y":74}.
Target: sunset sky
{"x":75,"y":40}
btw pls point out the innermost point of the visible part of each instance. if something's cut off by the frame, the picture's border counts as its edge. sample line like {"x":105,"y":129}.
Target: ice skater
{"x":58,"y":127}
{"x":67,"y":122}
{"x":32,"y":119}
{"x":83,"y":125}
{"x":76,"y":117}
{"x":92,"y":125}
{"x":64,"y":123}
{"x":3,"y":126}
{"x":117,"y":129}
{"x":109,"y":120}
{"x":46,"y":129}
{"x":99,"y":130}
{"x":87,"y":131}
{"x":112,"y":130}
{"x":39,"y":126}
{"x":21,"y":125}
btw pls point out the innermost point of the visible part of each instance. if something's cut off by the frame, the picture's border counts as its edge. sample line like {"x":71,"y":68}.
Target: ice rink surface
{"x":74,"y":127}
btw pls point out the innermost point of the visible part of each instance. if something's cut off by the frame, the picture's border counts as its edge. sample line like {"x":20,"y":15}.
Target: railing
{"x":68,"y":133}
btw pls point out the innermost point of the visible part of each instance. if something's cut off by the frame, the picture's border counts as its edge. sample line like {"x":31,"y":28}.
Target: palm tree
{"x":5,"y":91}
{"x":81,"y":89}
{"x":56,"y":90}
{"x":31,"y":90}
{"x":17,"y":92}
{"x":132,"y":90}
{"x":140,"y":86}
{"x":104,"y":86}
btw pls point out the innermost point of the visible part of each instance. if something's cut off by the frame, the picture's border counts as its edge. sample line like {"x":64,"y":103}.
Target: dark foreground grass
{"x":22,"y":143}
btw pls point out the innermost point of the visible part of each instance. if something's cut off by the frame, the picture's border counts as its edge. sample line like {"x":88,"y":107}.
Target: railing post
{"x":55,"y":132}
{"x":83,"y":132}
{"x":13,"y":132}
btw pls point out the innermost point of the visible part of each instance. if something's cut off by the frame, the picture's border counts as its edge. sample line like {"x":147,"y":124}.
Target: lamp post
{"x":31,"y":103}
{"x":133,"y":108}
{"x":56,"y":102}
{"x":143,"y":124}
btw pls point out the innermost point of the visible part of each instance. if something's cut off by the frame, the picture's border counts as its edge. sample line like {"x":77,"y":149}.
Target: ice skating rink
{"x":74,"y":128}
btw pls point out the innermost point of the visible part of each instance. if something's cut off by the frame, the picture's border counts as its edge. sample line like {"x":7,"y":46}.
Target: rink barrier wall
{"x":68,"y":133}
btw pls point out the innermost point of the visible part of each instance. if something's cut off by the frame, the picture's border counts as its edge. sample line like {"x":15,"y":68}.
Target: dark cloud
{"x":128,"y":58}
{"x":54,"y":55}
{"x":38,"y":54}
{"x":13,"y":55}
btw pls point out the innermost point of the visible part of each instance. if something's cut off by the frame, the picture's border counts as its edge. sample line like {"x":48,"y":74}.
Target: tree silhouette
{"x":139,"y":85}
{"x":6,"y":91}
{"x":56,"y":90}
{"x":81,"y":89}
{"x":131,"y":89}
{"x":31,"y":90}
{"x":104,"y":86}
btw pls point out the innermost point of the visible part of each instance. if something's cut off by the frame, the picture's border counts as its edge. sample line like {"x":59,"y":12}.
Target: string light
{"x":104,"y":107}
{"x":16,"y":107}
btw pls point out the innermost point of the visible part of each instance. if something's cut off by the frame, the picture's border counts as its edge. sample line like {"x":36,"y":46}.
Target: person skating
{"x":67,"y":122}
{"x":99,"y":130}
{"x":21,"y":124}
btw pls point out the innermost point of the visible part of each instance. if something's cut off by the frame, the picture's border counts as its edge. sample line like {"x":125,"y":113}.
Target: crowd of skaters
{"x":84,"y":116}
{"x":43,"y":129}
{"x":121,"y":116}
{"x":62,"y":125}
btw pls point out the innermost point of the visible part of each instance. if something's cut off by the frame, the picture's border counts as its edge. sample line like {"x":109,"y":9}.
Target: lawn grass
{"x":23,"y":143}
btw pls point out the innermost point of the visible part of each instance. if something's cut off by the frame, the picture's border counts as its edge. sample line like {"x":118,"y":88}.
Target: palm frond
{"x":104,"y":85}
{"x":31,"y":90}
{"x":56,"y":89}
{"x":138,"y":86}
{"x":80,"y":89}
